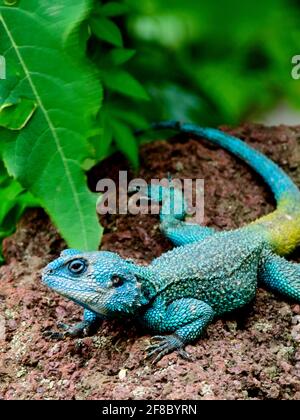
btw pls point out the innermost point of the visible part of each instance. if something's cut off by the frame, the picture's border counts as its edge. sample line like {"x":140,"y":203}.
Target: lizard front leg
{"x":88,"y":326}
{"x":184,"y":319}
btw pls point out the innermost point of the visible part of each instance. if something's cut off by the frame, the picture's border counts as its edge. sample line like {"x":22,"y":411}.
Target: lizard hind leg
{"x":280,"y":275}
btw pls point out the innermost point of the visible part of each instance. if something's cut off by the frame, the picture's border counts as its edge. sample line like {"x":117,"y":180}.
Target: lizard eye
{"x":77,"y":266}
{"x":117,"y":280}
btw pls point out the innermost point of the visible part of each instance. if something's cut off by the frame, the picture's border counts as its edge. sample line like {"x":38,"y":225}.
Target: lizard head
{"x":100,"y":281}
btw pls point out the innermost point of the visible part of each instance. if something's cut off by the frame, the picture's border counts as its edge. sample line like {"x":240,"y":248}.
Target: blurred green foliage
{"x":124,"y":95}
{"x":214,"y":62}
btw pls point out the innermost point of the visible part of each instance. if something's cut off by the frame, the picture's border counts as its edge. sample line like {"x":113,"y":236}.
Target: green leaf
{"x":122,"y":82}
{"x":126,"y":142}
{"x":113,"y":9}
{"x":119,"y":56}
{"x":106,"y":30}
{"x":46,"y":155}
{"x":15,"y":117}
{"x":65,"y":19}
{"x":102,"y":142}
{"x":135,"y":119}
{"x":113,"y":58}
{"x":105,"y":139}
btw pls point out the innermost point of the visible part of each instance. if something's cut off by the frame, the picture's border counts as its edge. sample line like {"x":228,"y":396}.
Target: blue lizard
{"x":207,"y":274}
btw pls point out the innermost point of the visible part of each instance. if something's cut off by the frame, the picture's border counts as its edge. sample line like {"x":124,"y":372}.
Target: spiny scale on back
{"x":213,"y":270}
{"x":207,"y":274}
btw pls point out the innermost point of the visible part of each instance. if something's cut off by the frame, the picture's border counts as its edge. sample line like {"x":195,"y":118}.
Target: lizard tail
{"x":282,"y":227}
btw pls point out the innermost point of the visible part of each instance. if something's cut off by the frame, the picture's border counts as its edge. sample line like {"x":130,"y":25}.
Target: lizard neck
{"x":148,"y":279}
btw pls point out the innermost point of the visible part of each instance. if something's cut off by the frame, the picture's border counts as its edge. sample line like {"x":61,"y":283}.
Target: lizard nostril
{"x":48,"y":271}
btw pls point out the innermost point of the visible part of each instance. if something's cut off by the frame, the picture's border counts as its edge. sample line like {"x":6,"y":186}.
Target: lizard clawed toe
{"x":78,"y":330}
{"x":54,"y":335}
{"x":165,"y":345}
{"x":63,"y":326}
{"x":58,"y":335}
{"x":185,"y":355}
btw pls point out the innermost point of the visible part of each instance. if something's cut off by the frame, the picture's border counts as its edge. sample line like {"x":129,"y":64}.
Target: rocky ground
{"x":252,"y":354}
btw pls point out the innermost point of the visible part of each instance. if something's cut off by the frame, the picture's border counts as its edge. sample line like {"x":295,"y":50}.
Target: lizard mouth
{"x":68,"y":287}
{"x":89,"y":297}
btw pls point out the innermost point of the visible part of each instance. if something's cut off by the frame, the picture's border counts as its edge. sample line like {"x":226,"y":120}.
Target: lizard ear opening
{"x":144,"y":292}
{"x":117,"y":281}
